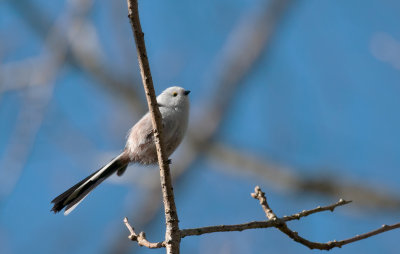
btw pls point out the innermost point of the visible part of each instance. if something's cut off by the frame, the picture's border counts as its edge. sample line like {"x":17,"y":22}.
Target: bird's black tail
{"x":74,"y":195}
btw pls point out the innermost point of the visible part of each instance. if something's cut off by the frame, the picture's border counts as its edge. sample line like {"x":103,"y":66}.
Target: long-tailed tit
{"x":140,"y":147}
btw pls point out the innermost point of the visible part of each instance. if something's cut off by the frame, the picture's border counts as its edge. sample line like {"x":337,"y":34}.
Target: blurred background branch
{"x":85,"y":52}
{"x":285,"y":178}
{"x":42,"y":73}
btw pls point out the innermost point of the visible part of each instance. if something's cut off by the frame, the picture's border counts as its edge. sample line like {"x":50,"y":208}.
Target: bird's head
{"x":174,"y":97}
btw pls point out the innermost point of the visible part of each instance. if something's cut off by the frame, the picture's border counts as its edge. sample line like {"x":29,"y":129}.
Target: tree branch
{"x":141,"y":238}
{"x":280,"y":223}
{"x":282,"y":226}
{"x":172,"y":234}
{"x":305,"y":213}
{"x":260,"y":224}
{"x":227,"y":228}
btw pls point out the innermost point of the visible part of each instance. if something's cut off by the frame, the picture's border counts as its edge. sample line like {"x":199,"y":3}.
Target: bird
{"x":140,"y":148}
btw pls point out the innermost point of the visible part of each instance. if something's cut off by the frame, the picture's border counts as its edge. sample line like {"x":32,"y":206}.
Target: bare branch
{"x":227,"y":228}
{"x":281,"y":225}
{"x":172,"y":234}
{"x":141,"y":238}
{"x":258,"y":194}
{"x":384,"y":228}
{"x":261,"y":224}
{"x":305,"y":213}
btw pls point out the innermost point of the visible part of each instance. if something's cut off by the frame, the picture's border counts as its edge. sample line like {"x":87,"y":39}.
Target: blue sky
{"x":322,"y":99}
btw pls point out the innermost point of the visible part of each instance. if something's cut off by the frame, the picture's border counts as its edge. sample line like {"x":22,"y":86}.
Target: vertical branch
{"x":172,"y":234}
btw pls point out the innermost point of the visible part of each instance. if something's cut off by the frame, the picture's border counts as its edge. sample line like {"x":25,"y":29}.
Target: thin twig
{"x":305,"y":213}
{"x":258,"y":194}
{"x":172,"y":234}
{"x":141,"y":238}
{"x":282,"y":226}
{"x":382,"y":229}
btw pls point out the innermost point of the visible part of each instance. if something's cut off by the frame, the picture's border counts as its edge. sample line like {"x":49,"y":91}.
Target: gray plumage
{"x":140,"y":148}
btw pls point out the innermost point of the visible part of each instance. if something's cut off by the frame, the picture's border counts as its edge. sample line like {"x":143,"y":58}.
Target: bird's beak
{"x":186,"y":92}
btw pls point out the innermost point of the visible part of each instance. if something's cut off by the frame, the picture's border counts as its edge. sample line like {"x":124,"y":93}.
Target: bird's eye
{"x":174,"y":94}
